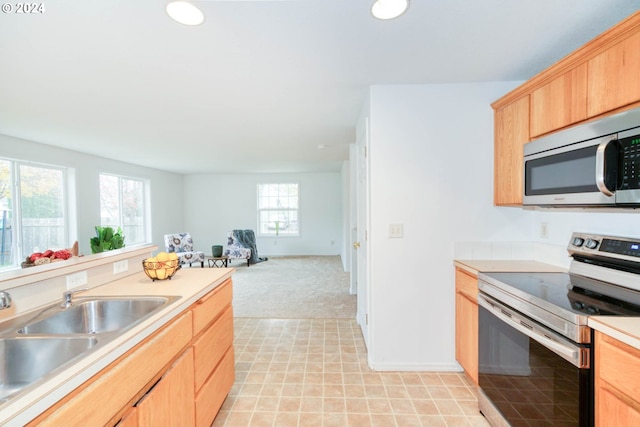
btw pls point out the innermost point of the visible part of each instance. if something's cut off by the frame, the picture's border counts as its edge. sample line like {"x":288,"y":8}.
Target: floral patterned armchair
{"x":235,"y":250}
{"x":182,"y":245}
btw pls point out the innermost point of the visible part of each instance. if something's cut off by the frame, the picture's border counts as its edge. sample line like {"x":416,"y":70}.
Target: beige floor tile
{"x":313,"y":372}
{"x":262,"y":419}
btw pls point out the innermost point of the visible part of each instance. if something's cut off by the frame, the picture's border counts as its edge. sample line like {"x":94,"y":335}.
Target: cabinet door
{"x":171,"y":401}
{"x":467,"y":323}
{"x":617,"y":391}
{"x":560,"y":103}
{"x":613,"y":77}
{"x":511,"y":133}
{"x":130,"y":419}
{"x":467,"y":335}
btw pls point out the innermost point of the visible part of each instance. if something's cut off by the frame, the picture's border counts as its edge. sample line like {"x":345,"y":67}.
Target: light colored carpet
{"x":304,"y":287}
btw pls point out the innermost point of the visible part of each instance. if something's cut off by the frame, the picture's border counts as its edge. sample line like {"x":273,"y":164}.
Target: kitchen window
{"x":278,"y":209}
{"x":124,"y":203}
{"x":33,"y":210}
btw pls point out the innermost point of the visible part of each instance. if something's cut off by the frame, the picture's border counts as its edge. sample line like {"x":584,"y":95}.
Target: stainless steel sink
{"x":95,"y":316}
{"x":37,"y":345}
{"x":25,"y":360}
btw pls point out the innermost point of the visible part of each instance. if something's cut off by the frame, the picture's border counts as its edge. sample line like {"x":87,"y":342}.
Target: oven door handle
{"x":572,"y":354}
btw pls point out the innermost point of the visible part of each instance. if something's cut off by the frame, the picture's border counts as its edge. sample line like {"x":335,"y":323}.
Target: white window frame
{"x":277,"y":232}
{"x":69,"y":223}
{"x":146,"y":226}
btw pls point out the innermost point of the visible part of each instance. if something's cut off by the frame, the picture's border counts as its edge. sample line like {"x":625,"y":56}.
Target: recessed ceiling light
{"x":185,"y":13}
{"x":322,"y":147}
{"x":389,"y":9}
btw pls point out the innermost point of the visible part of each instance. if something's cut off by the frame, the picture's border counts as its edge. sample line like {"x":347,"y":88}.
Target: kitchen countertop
{"x":493,"y":266}
{"x":190,"y":284}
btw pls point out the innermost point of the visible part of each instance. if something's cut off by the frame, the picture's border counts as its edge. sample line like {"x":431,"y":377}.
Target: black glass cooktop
{"x":570,"y":292}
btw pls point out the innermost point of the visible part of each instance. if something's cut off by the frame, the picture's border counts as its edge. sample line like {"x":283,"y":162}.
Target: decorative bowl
{"x":160,"y":270}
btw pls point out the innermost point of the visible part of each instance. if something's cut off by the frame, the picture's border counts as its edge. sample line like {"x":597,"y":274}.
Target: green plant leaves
{"x":106,"y":239}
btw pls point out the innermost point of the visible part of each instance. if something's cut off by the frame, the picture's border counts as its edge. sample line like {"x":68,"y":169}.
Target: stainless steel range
{"x":535,"y":352}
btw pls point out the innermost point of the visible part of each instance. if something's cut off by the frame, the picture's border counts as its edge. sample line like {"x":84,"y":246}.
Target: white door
{"x":361,"y":244}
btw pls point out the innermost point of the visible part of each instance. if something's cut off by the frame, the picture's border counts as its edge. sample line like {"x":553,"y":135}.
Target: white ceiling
{"x":261,"y":83}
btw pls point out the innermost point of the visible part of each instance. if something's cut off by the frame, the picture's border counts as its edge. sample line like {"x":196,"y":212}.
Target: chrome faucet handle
{"x":68,"y":295}
{"x":5,"y":300}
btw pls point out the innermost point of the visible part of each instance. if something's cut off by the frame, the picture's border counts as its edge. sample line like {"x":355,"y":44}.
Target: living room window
{"x":33,"y":210}
{"x":278,"y":209}
{"x":123,"y":203}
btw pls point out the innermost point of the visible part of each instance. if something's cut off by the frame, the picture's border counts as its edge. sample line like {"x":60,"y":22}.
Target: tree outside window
{"x":278,"y":210}
{"x":123,"y":204}
{"x":32,"y":210}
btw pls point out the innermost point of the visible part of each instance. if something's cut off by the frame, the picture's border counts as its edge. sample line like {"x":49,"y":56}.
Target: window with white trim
{"x":33,"y":210}
{"x":123,"y":203}
{"x":278,"y":210}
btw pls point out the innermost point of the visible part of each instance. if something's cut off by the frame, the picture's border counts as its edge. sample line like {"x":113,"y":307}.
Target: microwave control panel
{"x":629,"y":170}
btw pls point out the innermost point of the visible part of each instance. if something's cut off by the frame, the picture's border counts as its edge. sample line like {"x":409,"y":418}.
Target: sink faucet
{"x":5,"y":300}
{"x":66,"y":297}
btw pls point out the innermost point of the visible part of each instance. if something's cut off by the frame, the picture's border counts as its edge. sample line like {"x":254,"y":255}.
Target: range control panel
{"x":610,"y":246}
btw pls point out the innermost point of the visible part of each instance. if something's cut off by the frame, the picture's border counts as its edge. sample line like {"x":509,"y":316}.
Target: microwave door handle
{"x":600,"y":166}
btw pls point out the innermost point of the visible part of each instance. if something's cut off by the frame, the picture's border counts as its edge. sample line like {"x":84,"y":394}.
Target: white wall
{"x":431,"y":169}
{"x":218,"y":203}
{"x":166,"y":187}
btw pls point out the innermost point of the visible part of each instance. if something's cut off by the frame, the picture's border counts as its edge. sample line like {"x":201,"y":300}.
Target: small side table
{"x":218,"y":261}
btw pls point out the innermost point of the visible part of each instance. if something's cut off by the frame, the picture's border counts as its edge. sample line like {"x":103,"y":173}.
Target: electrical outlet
{"x":120,"y":266}
{"x":396,"y":230}
{"x":544,"y":230}
{"x":76,"y":279}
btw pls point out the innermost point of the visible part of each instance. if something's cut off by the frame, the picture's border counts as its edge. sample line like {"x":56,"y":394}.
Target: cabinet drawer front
{"x":212,"y":345}
{"x":611,"y":411}
{"x":618,"y":365}
{"x":121,"y":380}
{"x":467,"y":284}
{"x":214,"y":391}
{"x":211,"y":305}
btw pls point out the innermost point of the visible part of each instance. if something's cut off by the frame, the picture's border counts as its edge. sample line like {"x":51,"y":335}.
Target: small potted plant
{"x":106,"y":239}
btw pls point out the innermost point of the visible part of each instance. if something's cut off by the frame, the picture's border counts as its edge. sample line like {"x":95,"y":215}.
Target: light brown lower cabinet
{"x":467,"y":322}
{"x":617,"y":389}
{"x":170,"y":402}
{"x":130,"y":419}
{"x":179,"y":376}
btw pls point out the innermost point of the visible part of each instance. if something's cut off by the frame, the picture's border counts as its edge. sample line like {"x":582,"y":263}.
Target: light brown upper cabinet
{"x":510,"y":134}
{"x":600,"y":78}
{"x":559,"y":103}
{"x":614,"y":77}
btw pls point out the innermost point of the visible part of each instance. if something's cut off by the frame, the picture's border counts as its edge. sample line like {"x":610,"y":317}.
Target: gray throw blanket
{"x":247,"y":238}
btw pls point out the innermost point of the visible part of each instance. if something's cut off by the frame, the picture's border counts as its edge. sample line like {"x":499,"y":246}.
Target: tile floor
{"x":313,"y":372}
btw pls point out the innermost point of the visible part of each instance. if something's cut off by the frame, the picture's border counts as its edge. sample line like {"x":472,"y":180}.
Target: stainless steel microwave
{"x":592,"y":164}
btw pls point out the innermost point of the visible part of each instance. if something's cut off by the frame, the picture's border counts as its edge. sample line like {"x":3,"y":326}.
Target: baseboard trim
{"x":421,"y":367}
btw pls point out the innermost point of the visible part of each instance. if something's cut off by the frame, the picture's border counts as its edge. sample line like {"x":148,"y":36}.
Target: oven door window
{"x":528,"y":383}
{"x":548,"y":175}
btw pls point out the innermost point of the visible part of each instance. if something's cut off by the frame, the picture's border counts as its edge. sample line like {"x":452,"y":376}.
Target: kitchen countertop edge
{"x":623,"y":328}
{"x":493,"y":266}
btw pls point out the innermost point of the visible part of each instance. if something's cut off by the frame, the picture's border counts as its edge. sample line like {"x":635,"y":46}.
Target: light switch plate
{"x":396,"y":230}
